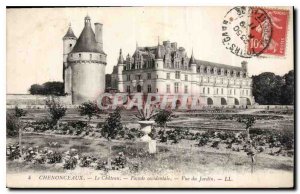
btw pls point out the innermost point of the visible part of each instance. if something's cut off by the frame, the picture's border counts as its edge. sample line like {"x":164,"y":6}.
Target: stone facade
{"x":166,"y":69}
{"x":84,"y":63}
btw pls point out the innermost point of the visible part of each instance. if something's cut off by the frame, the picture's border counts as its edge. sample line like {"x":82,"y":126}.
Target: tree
{"x":56,"y":110}
{"x":110,"y":129}
{"x":249,"y":121}
{"x":48,"y":88}
{"x":89,"y":109}
{"x":287,"y":90}
{"x":112,"y":125}
{"x":267,"y":88}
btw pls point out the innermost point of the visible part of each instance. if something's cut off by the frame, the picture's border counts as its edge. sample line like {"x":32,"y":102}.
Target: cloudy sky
{"x":34,"y":38}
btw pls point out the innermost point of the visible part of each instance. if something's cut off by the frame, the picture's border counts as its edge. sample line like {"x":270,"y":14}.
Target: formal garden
{"x":60,"y":139}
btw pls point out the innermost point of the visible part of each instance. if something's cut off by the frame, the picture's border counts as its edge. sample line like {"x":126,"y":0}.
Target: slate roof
{"x":87,"y":41}
{"x":70,"y":34}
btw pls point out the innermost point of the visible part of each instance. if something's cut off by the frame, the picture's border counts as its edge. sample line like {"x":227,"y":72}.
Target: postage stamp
{"x":277,"y":43}
{"x":255,"y":31}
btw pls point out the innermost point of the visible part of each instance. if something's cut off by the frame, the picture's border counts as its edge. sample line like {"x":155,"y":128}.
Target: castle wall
{"x":24,"y":100}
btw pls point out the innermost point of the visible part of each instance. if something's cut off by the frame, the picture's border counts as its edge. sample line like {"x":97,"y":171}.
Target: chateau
{"x":161,"y":69}
{"x":84,"y":63}
{"x":166,"y":69}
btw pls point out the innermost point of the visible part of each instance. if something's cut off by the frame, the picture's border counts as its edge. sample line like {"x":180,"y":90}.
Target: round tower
{"x":87,"y":61}
{"x":69,"y":41}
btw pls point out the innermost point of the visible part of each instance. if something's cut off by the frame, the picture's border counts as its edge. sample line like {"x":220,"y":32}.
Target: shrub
{"x":89,"y":109}
{"x":70,"y":162}
{"x":162,"y":117}
{"x":85,"y":161}
{"x":13,"y":152}
{"x":12,"y":125}
{"x":203,"y":141}
{"x":53,"y":157}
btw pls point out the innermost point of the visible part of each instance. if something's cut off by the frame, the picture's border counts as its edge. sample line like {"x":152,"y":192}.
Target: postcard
{"x":150,"y":97}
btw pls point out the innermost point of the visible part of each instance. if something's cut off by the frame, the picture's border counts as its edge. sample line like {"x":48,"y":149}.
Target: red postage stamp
{"x":279,"y":23}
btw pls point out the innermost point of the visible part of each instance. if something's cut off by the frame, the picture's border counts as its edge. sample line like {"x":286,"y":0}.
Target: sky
{"x":34,"y":47}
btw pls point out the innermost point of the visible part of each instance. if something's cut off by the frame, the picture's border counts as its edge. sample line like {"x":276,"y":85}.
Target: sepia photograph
{"x":150,"y":97}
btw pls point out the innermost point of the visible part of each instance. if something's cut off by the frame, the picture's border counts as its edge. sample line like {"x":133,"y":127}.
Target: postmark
{"x":240,"y":33}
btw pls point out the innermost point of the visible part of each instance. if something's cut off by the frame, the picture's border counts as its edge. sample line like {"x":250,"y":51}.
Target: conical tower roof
{"x":70,"y":33}
{"x":121,"y":59}
{"x":192,"y":59}
{"x":86,"y":41}
{"x":158,"y":54}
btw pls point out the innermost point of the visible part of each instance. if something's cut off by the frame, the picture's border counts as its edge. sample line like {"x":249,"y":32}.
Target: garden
{"x":110,"y":141}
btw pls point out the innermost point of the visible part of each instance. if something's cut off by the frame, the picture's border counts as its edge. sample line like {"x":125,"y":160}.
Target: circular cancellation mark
{"x":246,"y":31}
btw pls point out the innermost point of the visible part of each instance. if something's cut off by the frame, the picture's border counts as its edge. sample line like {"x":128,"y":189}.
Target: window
{"x":247,"y":92}
{"x":208,"y":90}
{"x":79,"y":55}
{"x":222,"y":91}
{"x":203,"y":90}
{"x":70,"y":45}
{"x":186,"y":77}
{"x":177,"y":75}
{"x":149,"y":88}
{"x":168,"y":75}
{"x":90,"y":56}
{"x":148,"y":75}
{"x":217,"y":90}
{"x":128,"y":77}
{"x":168,"y":88}
{"x":138,"y":77}
{"x":234,"y":91}
{"x":176,"y":87}
{"x":186,"y":89}
{"x":128,"y":89}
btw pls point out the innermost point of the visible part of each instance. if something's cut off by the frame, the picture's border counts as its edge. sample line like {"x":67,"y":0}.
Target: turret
{"x":120,"y":72}
{"x":192,"y":63}
{"x":69,"y":41}
{"x":159,"y":64}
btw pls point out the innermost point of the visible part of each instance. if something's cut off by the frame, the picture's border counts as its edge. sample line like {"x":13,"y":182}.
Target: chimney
{"x":98,"y":35}
{"x":244,"y":65}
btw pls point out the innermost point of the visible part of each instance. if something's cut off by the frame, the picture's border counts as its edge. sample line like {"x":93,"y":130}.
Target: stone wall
{"x":27,"y":100}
